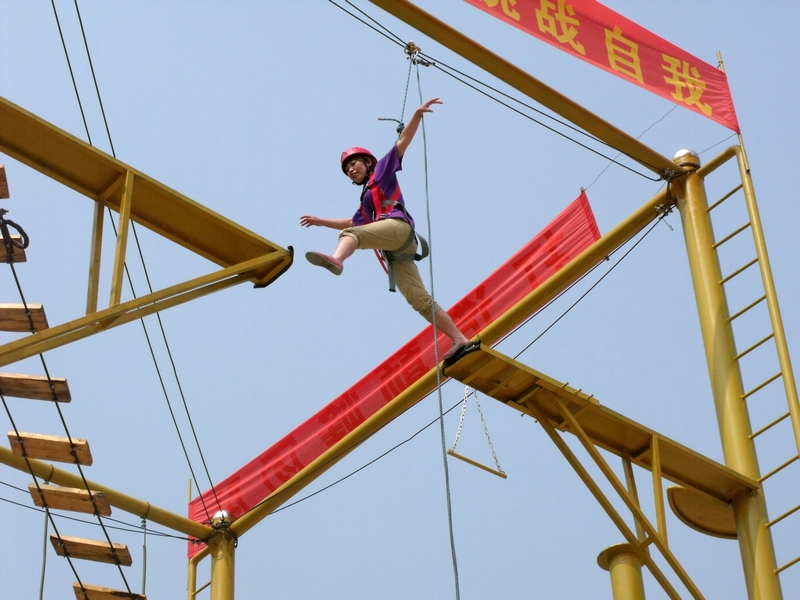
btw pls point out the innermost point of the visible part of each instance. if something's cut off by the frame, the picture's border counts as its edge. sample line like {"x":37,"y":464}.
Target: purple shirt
{"x":385,"y":176}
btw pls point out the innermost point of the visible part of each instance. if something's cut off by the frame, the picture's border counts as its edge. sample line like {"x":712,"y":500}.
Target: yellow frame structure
{"x":243,"y":255}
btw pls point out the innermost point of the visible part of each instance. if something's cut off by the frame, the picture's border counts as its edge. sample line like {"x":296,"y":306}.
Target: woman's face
{"x":356,"y":169}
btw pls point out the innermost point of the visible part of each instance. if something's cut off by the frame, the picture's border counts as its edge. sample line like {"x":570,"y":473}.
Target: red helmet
{"x":355,"y":151}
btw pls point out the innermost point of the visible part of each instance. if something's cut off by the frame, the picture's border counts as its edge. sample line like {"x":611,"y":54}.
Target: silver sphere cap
{"x":687,"y":158}
{"x":221,"y":516}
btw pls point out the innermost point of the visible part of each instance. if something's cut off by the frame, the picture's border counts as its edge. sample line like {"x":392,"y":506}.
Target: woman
{"x":383,"y":223}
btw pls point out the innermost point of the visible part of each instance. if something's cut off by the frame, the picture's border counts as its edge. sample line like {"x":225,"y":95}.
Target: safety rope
{"x":436,"y":339}
{"x":144,"y":550}
{"x":44,"y":553}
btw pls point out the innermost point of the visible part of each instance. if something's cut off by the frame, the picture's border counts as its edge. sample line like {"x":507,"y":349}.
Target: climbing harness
{"x":452,"y":451}
{"x":384,"y":206}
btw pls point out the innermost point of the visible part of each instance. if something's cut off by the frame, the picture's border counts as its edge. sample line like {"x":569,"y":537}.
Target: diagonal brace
{"x":629,"y":501}
{"x":131,"y":310}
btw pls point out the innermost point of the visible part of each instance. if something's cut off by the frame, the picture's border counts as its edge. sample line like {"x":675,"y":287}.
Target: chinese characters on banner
{"x":598,"y":35}
{"x":569,"y":234}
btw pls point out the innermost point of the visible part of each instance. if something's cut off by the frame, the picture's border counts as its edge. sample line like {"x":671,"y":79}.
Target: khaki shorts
{"x":390,"y":235}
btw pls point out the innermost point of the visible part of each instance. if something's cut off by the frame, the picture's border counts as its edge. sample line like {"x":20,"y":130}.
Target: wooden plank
{"x":3,"y":183}
{"x":91,"y":550}
{"x":50,"y":447}
{"x":67,"y":498}
{"x":19,"y":255}
{"x":517,"y":385}
{"x":14,"y":318}
{"x":34,"y":387}
{"x":93,"y":592}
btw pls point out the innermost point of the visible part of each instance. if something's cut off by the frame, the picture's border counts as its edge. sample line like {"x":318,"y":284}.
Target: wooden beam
{"x":18,"y":256}
{"x":67,"y":498}
{"x":50,"y":447}
{"x":34,"y":387}
{"x":92,"y":550}
{"x":3,"y":183}
{"x":14,"y":318}
{"x":93,"y":592}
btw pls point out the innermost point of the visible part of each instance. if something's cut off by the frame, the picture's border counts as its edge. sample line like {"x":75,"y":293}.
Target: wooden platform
{"x":93,"y":173}
{"x":72,"y":499}
{"x":3,"y":183}
{"x":14,"y":318}
{"x":34,"y":387}
{"x":517,"y":385}
{"x":19,"y":255}
{"x":50,"y":447}
{"x":93,"y":592}
{"x":92,"y":550}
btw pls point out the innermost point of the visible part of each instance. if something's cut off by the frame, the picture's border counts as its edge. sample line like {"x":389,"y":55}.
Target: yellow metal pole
{"x":490,"y":335}
{"x":94,"y":258}
{"x":528,"y":85}
{"x":130,"y":310}
{"x":140,"y":508}
{"x":122,"y":240}
{"x":630,"y":482}
{"x":658,"y":490}
{"x":750,"y":511}
{"x":222,"y":547}
{"x":623,"y":564}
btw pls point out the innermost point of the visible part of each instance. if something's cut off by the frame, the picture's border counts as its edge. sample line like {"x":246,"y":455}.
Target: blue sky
{"x":245,"y":107}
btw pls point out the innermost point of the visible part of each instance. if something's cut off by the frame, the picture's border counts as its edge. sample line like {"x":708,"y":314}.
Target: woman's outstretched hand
{"x":309,"y":220}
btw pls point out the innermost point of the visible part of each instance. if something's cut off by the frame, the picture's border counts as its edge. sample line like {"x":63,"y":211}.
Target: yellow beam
{"x":605,"y":503}
{"x":122,"y":240}
{"x":93,"y":173}
{"x":122,"y":501}
{"x":427,"y":383}
{"x":528,"y":85}
{"x":137,"y":308}
{"x":95,"y":253}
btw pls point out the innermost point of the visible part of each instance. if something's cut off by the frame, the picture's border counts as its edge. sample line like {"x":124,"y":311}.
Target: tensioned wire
{"x":144,"y":266}
{"x":54,"y":398}
{"x":447,"y":70}
{"x":123,"y":526}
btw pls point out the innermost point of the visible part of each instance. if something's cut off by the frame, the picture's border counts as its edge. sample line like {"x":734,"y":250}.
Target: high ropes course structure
{"x":724,"y":500}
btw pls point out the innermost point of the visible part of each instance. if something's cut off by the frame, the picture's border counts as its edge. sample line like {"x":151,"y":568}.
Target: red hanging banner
{"x":562,"y":240}
{"x":606,"y":39}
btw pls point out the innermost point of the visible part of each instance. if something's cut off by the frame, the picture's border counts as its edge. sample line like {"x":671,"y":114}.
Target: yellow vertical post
{"x":625,"y":568}
{"x":221,"y":547}
{"x":658,"y":492}
{"x":122,"y":240}
{"x":94,"y":258}
{"x":750,"y":511}
{"x":630,"y":482}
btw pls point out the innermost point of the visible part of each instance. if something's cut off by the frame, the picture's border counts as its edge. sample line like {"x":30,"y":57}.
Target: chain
{"x":467,"y":394}
{"x":486,"y":431}
{"x":461,"y":420}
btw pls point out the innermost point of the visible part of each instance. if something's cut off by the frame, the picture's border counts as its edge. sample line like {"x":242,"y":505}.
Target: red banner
{"x":598,"y":35}
{"x":563,"y":239}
